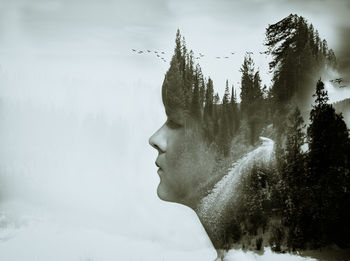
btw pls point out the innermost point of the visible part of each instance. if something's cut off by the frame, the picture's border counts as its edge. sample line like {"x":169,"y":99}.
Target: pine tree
{"x":216,"y":98}
{"x":216,"y":115}
{"x":183,"y":58}
{"x":251,"y":99}
{"x":224,"y":126}
{"x":189,"y":78}
{"x":328,"y":157}
{"x":225,"y":99}
{"x":201,"y":89}
{"x":247,"y":82}
{"x":234,"y":112}
{"x":209,"y":99}
{"x":294,"y":177}
{"x":178,"y":49}
{"x":173,"y":89}
{"x":208,"y":110}
{"x":297,"y":56}
{"x":195,"y":106}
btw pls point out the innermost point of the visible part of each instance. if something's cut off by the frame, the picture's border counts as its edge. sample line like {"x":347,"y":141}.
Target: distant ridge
{"x":343,"y":106}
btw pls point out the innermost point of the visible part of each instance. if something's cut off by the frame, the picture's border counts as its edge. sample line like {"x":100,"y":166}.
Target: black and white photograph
{"x":166,"y":130}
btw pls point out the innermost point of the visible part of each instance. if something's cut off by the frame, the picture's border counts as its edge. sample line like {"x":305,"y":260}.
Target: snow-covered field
{"x":40,"y":236}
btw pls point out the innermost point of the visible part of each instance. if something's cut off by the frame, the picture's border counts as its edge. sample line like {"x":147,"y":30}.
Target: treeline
{"x":313,"y":182}
{"x":316,"y":183}
{"x":186,"y":88}
{"x":222,"y":119}
{"x":301,"y":203}
{"x":299,"y":57}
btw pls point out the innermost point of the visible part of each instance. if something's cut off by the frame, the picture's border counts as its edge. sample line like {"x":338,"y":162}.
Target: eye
{"x":172,"y":124}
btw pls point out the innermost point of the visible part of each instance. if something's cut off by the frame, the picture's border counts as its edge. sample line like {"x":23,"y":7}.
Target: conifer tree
{"x":294,"y":177}
{"x":298,"y":54}
{"x":201,"y":88}
{"x":208,"y":110}
{"x":195,"y":106}
{"x":178,"y":49}
{"x":224,"y":127}
{"x":247,"y":82}
{"x":209,"y":99}
{"x":173,"y":88}
{"x":328,"y":177}
{"x":216,"y":114}
{"x":251,"y":99}
{"x":234,"y":109}
{"x":216,"y":98}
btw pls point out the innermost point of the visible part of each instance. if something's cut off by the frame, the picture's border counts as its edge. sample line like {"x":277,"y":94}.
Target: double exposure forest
{"x":301,"y":202}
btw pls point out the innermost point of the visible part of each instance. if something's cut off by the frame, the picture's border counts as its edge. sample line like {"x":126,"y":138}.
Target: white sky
{"x":59,"y":31}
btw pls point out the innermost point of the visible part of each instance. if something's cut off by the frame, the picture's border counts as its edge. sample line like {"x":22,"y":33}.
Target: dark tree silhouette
{"x":328,"y":157}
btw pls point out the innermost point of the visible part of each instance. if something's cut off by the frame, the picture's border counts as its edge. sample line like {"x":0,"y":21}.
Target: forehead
{"x":175,"y":115}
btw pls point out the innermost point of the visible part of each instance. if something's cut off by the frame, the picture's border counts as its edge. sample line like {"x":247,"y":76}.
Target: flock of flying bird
{"x":338,"y":81}
{"x":199,"y":56}
{"x":159,"y":54}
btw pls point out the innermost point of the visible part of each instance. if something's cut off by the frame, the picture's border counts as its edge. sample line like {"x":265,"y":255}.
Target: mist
{"x":77,"y":175}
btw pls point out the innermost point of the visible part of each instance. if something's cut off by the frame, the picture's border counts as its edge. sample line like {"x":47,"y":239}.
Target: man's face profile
{"x":178,"y":161}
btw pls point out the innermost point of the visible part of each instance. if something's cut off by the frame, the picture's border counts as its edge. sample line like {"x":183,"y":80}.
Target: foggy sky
{"x":107,"y":30}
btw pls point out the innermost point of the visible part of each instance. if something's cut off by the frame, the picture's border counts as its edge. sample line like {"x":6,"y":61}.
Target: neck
{"x":215,"y":233}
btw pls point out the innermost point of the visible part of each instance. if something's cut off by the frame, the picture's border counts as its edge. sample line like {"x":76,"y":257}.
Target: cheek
{"x":182,"y":160}
{"x":175,"y":148}
{"x":174,"y":158}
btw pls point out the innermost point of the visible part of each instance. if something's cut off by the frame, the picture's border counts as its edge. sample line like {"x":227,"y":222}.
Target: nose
{"x":158,"y":140}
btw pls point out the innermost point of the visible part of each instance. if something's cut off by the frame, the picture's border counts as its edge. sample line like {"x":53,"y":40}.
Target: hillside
{"x":344,"y":107}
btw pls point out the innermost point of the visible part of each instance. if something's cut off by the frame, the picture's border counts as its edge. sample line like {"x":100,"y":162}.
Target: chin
{"x":166,"y":195}
{"x":163,"y":194}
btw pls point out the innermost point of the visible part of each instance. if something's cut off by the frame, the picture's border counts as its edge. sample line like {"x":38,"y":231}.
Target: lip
{"x":160,"y":173}
{"x":158,"y":165}
{"x":160,"y":170}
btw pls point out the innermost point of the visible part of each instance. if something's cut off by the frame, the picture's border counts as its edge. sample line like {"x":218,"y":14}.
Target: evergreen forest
{"x":300,"y":203}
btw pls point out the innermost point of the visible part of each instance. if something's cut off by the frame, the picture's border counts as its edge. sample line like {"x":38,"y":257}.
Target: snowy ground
{"x":46,"y":238}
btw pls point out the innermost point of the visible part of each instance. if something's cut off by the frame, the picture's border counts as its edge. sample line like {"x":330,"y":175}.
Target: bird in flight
{"x":217,"y":57}
{"x":337,"y":80}
{"x":249,"y":52}
{"x":232,"y":53}
{"x":133,"y":50}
